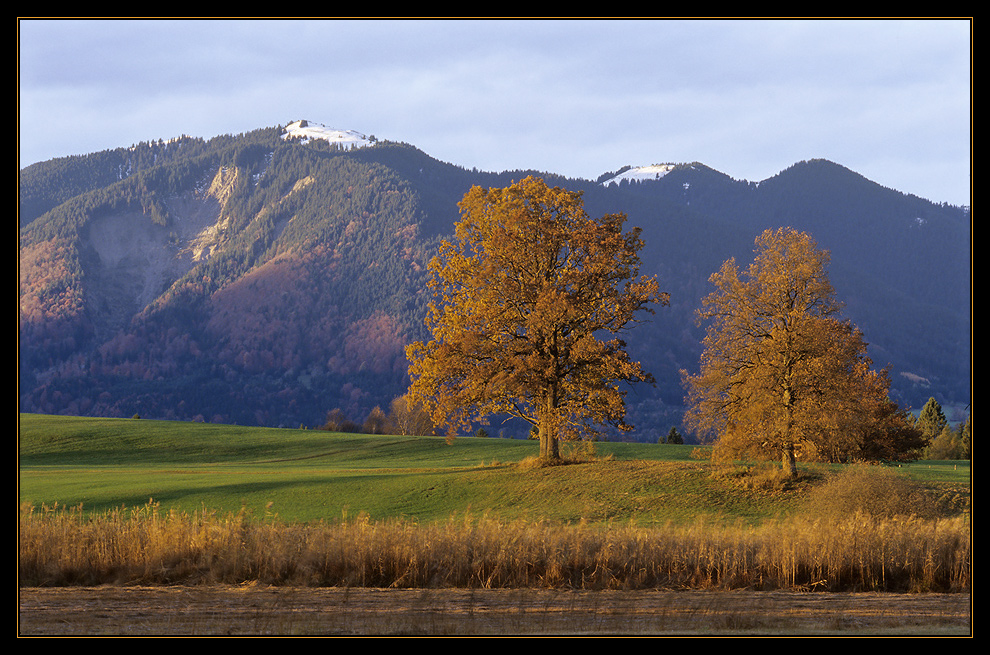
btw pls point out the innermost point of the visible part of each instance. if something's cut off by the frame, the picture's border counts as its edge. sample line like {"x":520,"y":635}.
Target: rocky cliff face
{"x":130,"y":261}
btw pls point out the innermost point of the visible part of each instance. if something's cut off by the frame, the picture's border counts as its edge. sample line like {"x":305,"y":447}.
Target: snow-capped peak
{"x":308,"y":130}
{"x":640,"y":173}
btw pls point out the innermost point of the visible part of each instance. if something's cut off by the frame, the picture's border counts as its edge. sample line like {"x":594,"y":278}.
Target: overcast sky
{"x":888,"y":99}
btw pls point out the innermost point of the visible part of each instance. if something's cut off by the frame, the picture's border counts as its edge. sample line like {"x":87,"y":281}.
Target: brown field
{"x":146,"y":572}
{"x":253,"y":610}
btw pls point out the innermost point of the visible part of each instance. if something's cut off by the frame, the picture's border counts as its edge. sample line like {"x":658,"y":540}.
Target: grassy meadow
{"x":110,"y":500}
{"x":311,"y":475}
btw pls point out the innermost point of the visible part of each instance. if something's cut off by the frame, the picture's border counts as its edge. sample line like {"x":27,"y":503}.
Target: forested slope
{"x":249,"y":279}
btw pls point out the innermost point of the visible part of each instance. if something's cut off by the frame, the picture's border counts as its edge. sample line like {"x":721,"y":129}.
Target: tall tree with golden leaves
{"x":781,"y":375}
{"x":521,"y":296}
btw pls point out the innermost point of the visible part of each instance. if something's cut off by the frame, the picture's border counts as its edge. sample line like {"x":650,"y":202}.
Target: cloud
{"x":889,"y":99}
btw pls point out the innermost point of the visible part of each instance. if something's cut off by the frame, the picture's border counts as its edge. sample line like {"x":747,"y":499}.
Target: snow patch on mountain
{"x":307,"y":131}
{"x":641,"y":173}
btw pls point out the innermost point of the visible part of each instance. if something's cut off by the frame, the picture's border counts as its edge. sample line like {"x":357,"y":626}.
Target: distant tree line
{"x":944,"y":441}
{"x":403,"y":418}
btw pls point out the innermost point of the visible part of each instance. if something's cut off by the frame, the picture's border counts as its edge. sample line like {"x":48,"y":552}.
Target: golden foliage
{"x":409,"y":418}
{"x":522,"y":294}
{"x":781,"y":374}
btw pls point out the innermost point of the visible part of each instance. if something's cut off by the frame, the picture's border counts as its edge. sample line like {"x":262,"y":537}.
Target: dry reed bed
{"x":145,"y":546}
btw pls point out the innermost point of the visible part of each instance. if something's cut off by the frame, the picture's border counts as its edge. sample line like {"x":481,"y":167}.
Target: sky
{"x":889,"y":99}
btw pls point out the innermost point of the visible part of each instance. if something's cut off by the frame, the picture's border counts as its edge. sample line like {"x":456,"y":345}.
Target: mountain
{"x":269,"y":277}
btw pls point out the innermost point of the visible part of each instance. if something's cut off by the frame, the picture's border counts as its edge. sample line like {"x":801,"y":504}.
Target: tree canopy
{"x":522,"y":295}
{"x":932,"y":419}
{"x":781,"y":373}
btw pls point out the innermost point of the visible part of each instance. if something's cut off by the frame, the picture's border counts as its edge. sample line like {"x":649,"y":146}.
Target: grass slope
{"x":305,"y":475}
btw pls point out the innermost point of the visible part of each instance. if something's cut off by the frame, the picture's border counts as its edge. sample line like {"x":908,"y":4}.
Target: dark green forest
{"x":315,"y":275}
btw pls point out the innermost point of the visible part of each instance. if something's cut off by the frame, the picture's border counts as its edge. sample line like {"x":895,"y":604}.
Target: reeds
{"x":147,"y":546}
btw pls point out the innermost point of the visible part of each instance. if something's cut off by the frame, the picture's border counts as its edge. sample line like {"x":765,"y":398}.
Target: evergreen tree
{"x":966,"y":437}
{"x":931,"y":420}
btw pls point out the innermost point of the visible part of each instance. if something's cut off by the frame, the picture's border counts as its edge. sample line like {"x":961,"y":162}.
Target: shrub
{"x":871,"y":491}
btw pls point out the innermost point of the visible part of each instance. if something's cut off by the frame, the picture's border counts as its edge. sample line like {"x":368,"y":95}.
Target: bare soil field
{"x":355,"y":612}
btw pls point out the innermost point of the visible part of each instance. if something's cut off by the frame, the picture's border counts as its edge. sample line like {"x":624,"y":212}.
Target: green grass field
{"x":308,"y":475}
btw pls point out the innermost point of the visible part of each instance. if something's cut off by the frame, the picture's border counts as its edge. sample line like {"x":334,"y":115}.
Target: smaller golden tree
{"x":781,"y":374}
{"x":522,"y":295}
{"x":408,"y":417}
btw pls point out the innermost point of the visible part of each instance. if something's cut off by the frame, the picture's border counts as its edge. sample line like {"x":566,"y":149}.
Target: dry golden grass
{"x":854,"y":552}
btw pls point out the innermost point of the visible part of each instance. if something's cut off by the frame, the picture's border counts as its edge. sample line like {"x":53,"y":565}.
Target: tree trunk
{"x":549,"y":447}
{"x":789,"y":464}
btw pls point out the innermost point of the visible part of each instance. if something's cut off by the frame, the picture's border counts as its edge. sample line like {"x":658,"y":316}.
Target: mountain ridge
{"x":259,"y":279}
